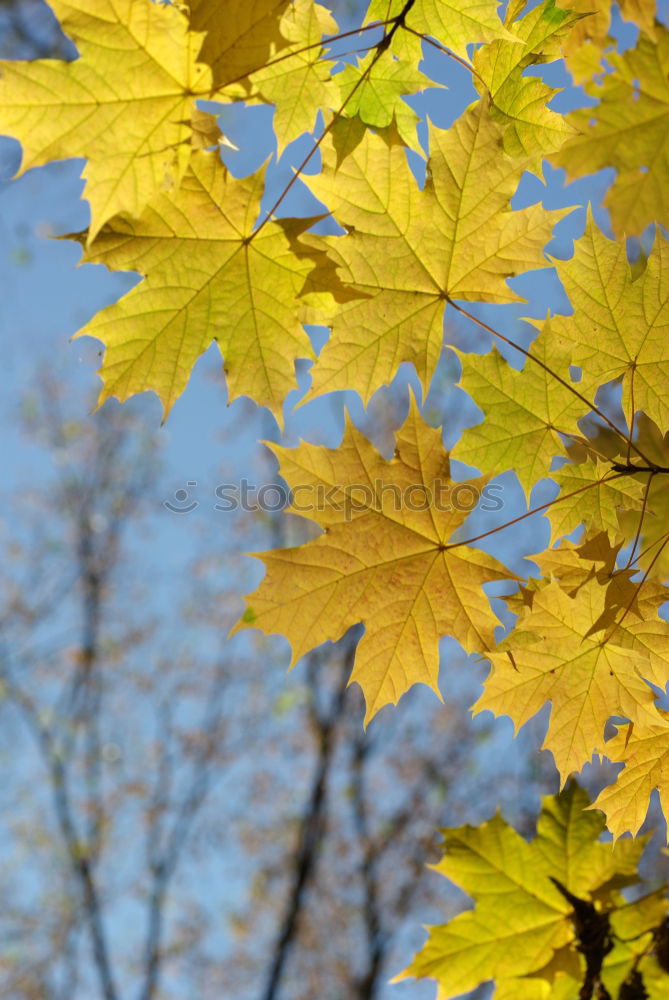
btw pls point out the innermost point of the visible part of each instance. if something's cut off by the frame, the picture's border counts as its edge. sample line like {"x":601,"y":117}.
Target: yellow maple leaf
{"x":206,"y":280}
{"x":300,"y":83}
{"x":620,"y":325}
{"x":520,"y":920}
{"x":574,"y":563}
{"x":525,"y":412}
{"x":584,"y":45}
{"x":628,"y":130}
{"x":520,"y":101}
{"x":637,"y":626}
{"x":125,"y":104}
{"x":407,"y":251}
{"x":587,"y":679}
{"x":593,"y":494}
{"x":385,"y":558}
{"x":629,"y":609}
{"x":644,"y":750}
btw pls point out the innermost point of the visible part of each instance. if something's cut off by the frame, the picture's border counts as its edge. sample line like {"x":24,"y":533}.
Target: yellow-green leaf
{"x":374,"y":91}
{"x":524,"y":414}
{"x":520,"y":919}
{"x":125,"y":104}
{"x":300,"y":82}
{"x":620,"y":326}
{"x":584,"y":46}
{"x":409,"y":251}
{"x":207,"y":280}
{"x":455,"y":23}
{"x":593,"y":494}
{"x":629,"y":130}
{"x":520,"y":101}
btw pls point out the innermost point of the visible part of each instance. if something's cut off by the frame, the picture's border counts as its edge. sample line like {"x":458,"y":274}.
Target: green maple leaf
{"x":374,"y":90}
{"x":593,"y":494}
{"x":525,"y":412}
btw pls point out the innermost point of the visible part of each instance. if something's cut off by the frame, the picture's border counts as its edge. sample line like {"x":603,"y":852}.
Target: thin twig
{"x":546,"y":368}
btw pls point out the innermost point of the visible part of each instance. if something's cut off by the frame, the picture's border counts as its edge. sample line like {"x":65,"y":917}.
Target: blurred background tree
{"x":179,"y":820}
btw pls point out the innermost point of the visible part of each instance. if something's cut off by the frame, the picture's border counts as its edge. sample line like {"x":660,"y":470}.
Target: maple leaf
{"x":520,"y":101}
{"x":644,"y":750}
{"x":593,"y":494}
{"x":126,"y":104}
{"x":563,"y":987}
{"x":573,"y":564}
{"x":299,"y":83}
{"x":524,"y":414}
{"x":584,"y":45}
{"x":374,"y":91}
{"x":385,"y":558}
{"x":632,"y":925}
{"x":409,"y":251}
{"x":587,"y":678}
{"x":620,"y":325}
{"x":628,"y":130}
{"x":207,"y":279}
{"x":520,"y":919}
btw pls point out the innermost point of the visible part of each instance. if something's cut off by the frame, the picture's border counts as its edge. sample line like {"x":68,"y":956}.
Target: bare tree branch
{"x":309,"y":841}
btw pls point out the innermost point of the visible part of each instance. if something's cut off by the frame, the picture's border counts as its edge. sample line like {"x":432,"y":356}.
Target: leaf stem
{"x":535,"y":510}
{"x":380,"y":47}
{"x":640,"y":524}
{"x":631,"y":433}
{"x":305,"y":48}
{"x":449,"y":53}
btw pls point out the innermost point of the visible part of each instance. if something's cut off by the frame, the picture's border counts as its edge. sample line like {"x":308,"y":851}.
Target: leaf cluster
{"x":219,"y":266}
{"x":550,"y":921}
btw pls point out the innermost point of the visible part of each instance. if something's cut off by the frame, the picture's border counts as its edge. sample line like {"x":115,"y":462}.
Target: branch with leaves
{"x":408,"y":258}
